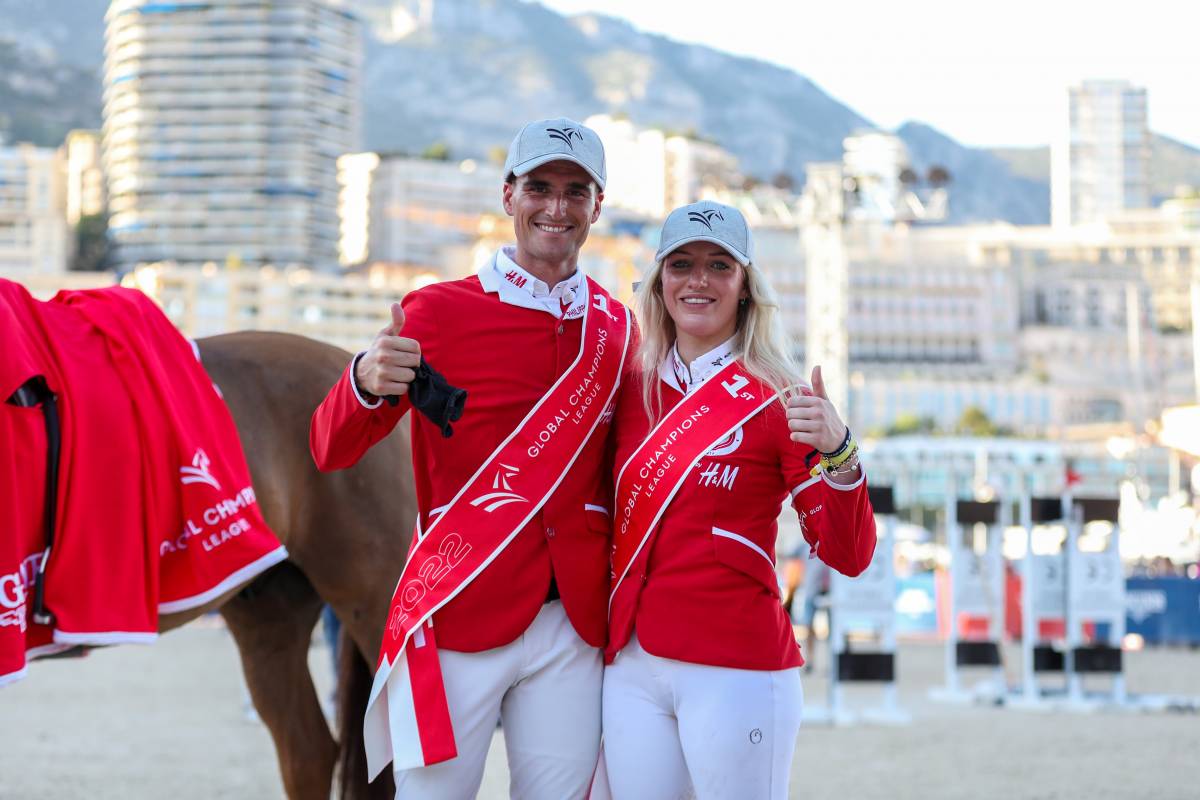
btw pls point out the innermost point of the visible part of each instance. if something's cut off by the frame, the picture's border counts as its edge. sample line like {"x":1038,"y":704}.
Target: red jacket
{"x":705,"y":589}
{"x":506,"y":357}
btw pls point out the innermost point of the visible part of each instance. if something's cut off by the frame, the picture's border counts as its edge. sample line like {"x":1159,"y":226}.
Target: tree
{"x":975,"y":422}
{"x":93,"y":250}
{"x":938,"y":176}
{"x":438,"y":151}
{"x":911,"y":423}
{"x":785,"y":181}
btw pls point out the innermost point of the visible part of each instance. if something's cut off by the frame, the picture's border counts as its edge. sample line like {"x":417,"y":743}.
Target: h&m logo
{"x":705,"y":217}
{"x":516,"y":280}
{"x":720,"y":475}
{"x":565,"y":135}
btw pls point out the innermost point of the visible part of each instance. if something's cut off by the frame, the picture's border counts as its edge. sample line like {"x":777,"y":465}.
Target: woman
{"x":703,"y":692}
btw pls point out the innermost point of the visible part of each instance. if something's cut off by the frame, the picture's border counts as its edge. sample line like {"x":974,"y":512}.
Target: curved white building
{"x":223,"y":122}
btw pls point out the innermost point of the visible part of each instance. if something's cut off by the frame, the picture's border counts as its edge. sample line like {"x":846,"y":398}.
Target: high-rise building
{"x":414,"y":212}
{"x":341,"y":309}
{"x":34,"y":238}
{"x":637,"y":169}
{"x":1100,"y":158}
{"x":1038,"y":327}
{"x":651,"y":172}
{"x":223,"y":122}
{"x":84,"y":192}
{"x":697,"y":169}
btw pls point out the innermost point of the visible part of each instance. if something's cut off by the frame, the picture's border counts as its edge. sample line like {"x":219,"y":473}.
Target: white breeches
{"x":544,"y":689}
{"x":678,"y":730}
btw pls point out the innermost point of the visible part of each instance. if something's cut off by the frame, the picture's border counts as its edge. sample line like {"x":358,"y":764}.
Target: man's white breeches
{"x":544,"y":689}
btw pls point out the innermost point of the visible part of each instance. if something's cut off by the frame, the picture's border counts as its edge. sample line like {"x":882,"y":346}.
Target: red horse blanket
{"x":154,"y":511}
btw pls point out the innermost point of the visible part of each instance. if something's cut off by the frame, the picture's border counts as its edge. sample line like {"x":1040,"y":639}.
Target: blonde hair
{"x":759,"y":339}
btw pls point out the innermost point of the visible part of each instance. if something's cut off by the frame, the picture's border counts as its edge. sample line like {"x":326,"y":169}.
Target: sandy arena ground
{"x":167,"y":721}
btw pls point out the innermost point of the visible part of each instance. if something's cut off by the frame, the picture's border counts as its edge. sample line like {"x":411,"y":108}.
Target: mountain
{"x":984,"y":186}
{"x":1027,"y":162}
{"x":469,"y":79}
{"x":467,"y":72}
{"x":41,"y":98}
{"x":70,"y":31}
{"x":1172,"y":164}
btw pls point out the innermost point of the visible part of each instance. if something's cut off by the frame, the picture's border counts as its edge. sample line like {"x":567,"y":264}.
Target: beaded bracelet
{"x":839,"y":465}
{"x":841,"y":456}
{"x":848,"y":466}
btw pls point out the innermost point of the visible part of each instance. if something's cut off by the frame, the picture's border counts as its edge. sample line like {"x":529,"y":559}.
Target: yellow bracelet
{"x":841,"y":458}
{"x":831,"y":464}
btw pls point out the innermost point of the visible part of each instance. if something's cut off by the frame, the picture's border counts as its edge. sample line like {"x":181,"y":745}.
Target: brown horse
{"x":347,"y":534}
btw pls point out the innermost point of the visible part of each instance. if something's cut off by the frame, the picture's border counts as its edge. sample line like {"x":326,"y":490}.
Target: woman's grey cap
{"x":707,"y":221}
{"x":558,"y":139}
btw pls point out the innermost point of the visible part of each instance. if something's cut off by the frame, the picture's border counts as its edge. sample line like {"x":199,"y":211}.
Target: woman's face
{"x":702,"y":285}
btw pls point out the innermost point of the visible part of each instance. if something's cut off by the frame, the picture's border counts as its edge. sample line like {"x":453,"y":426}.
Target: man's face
{"x":552,"y":207}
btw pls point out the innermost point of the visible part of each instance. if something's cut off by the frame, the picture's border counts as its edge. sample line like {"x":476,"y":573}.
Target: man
{"x":512,"y":542}
{"x":816,"y":593}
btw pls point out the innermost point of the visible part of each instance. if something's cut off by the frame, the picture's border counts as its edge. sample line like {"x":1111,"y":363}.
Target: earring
{"x":742,"y":302}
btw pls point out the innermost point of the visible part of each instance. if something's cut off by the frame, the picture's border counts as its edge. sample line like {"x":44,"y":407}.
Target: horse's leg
{"x":272,"y":622}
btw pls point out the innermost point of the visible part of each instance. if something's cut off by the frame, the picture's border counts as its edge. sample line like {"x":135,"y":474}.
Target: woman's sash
{"x":407,"y":719}
{"x":649,"y":478}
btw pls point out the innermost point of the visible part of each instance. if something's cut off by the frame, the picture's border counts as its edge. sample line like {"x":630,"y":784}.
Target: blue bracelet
{"x":841,"y":448}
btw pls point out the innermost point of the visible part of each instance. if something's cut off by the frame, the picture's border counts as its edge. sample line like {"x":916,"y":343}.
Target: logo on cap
{"x":565,"y":135}
{"x":705,"y":217}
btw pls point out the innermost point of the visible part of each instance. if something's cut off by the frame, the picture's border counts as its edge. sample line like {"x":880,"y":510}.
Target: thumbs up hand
{"x":390,"y":363}
{"x":397,"y":320}
{"x":813,"y":420}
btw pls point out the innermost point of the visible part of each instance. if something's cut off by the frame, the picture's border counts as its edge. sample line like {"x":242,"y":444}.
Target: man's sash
{"x":407,"y":719}
{"x":649,"y":478}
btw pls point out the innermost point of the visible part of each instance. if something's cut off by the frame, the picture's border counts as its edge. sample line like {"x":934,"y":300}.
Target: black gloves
{"x":434,"y":397}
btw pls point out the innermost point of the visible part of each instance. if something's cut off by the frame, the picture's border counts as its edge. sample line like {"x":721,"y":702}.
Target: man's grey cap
{"x":707,"y":221}
{"x":558,"y":139}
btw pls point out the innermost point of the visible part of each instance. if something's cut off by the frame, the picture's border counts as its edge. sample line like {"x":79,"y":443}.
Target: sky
{"x":987,"y":74}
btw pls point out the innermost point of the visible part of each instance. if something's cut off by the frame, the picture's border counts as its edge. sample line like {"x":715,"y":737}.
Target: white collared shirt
{"x":517,"y":286}
{"x":685,"y":377}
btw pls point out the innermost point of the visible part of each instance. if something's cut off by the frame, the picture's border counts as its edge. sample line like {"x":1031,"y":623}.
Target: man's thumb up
{"x":397,"y":321}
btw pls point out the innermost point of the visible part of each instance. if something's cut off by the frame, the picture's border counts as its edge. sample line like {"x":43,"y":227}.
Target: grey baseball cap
{"x":707,"y":221}
{"x":558,"y":139}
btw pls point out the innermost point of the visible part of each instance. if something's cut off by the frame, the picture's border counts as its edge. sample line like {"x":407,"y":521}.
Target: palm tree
{"x":938,"y":176}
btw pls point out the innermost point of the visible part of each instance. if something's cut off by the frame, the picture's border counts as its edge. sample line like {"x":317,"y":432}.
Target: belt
{"x":36,"y":392}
